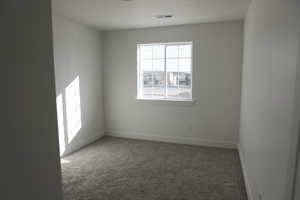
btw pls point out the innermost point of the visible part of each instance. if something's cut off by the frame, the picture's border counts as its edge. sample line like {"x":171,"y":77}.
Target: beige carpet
{"x":125,"y":169}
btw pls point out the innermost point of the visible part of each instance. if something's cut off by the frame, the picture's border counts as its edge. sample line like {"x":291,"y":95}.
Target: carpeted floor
{"x":125,"y":169}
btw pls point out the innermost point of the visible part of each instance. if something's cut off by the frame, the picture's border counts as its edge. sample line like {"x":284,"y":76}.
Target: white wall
{"x":297,"y":177}
{"x":78,"y":52}
{"x":213,"y":120}
{"x":269,"y":114}
{"x":30,"y":167}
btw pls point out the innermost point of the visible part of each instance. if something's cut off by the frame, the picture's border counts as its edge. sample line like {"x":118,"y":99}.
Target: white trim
{"x":184,"y":101}
{"x":172,"y":139}
{"x":71,"y":148}
{"x":166,"y":43}
{"x":249,"y":188}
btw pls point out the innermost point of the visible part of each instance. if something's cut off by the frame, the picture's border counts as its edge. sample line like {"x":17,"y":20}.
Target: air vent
{"x":163,"y":16}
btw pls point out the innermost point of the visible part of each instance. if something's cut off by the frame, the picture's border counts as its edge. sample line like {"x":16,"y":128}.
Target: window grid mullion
{"x":152,"y":80}
{"x":141,"y":75}
{"x":166,"y":74}
{"x":178,"y":67}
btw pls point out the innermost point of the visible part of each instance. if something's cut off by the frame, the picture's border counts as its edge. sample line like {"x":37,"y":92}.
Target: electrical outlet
{"x":260,"y":197}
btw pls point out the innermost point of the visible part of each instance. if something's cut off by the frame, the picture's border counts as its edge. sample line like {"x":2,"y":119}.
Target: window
{"x":165,"y":71}
{"x":73,"y":109}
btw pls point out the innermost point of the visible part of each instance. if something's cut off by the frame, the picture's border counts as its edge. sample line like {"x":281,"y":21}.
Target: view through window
{"x":165,"y":71}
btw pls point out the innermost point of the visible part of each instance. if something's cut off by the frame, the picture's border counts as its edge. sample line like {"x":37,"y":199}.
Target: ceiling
{"x":127,"y":14}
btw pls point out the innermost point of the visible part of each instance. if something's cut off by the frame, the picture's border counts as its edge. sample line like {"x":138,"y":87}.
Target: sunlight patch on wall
{"x":73,"y":109}
{"x":60,"y":122}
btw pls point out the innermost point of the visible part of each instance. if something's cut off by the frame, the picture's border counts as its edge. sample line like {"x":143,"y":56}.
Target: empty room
{"x":150,"y":100}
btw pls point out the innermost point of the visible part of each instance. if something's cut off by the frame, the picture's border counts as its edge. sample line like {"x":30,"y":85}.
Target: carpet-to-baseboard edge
{"x":249,"y":189}
{"x":86,"y":143}
{"x":179,"y":140}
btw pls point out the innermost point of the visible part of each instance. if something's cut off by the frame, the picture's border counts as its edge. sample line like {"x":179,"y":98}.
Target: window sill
{"x":176,"y":101}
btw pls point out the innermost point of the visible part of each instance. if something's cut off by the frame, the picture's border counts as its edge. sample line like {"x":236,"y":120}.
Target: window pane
{"x":147,"y":92}
{"x":158,"y":84}
{"x":159,"y":65}
{"x":179,"y":73}
{"x":146,"y":52}
{"x":159,"y":51}
{"x":146,"y":65}
{"x":147,"y":79}
{"x":185,"y":65}
{"x":172,"y":79}
{"x":153,"y":86}
{"x":184,"y":80}
{"x":179,"y":93}
{"x":185,"y":51}
{"x":172,"y":51}
{"x":172,"y":65}
{"x":147,"y":84}
{"x":158,"y":79}
{"x":179,"y":85}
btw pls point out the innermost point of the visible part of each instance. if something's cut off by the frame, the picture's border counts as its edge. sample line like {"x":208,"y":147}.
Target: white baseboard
{"x":171,"y":139}
{"x":249,"y":189}
{"x":87,"y":142}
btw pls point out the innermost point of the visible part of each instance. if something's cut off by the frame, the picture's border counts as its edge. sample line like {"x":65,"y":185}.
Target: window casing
{"x":165,"y":71}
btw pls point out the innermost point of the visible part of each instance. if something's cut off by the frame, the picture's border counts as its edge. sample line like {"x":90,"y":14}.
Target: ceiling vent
{"x":163,"y":16}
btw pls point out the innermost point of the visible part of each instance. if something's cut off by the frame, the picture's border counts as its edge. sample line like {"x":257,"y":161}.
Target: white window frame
{"x":139,"y":79}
